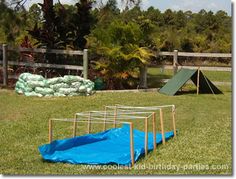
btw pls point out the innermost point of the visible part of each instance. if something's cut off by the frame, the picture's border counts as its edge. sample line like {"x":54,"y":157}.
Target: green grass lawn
{"x":203,"y":144}
{"x":155,"y":75}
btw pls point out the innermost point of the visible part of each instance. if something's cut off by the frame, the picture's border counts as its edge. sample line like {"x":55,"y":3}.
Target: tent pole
{"x":198,"y":74}
{"x":162,"y":126}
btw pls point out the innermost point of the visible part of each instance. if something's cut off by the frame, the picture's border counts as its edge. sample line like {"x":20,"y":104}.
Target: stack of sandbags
{"x":36,"y":85}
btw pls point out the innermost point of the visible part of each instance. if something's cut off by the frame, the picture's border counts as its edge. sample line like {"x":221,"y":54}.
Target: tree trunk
{"x":143,"y":77}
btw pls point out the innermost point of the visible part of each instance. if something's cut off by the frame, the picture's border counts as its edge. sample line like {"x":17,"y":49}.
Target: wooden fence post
{"x":175,"y":62}
{"x":85,"y":63}
{"x":5,"y":64}
{"x":143,"y":77}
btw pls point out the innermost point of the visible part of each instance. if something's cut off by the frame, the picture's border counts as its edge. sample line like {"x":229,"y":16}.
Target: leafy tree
{"x":169,"y":17}
{"x":10,"y":22}
{"x":62,"y":28}
{"x":120,"y":58}
{"x":180,"y":20}
{"x":155,"y":16}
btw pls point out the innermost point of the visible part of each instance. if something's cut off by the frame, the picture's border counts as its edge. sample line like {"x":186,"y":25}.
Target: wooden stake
{"x":154,"y":130}
{"x":162,"y":127}
{"x":74,"y":126}
{"x":105,"y":117}
{"x":50,"y":130}
{"x":115,"y":116}
{"x":89,"y":122}
{"x":146,"y":136}
{"x":131,"y":144}
{"x":198,"y":74}
{"x":173,"y":120}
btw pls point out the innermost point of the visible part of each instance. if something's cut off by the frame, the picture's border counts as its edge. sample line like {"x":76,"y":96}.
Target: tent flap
{"x":177,"y":81}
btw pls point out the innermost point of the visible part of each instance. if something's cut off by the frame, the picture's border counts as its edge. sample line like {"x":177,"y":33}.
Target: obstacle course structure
{"x":204,"y":85}
{"x":122,"y":145}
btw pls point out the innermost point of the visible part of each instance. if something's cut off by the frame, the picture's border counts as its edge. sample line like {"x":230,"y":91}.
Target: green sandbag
{"x":49,"y":95}
{"x":23,"y":76}
{"x":44,"y":91}
{"x":67,"y":91}
{"x":86,"y":81}
{"x":76,"y":85}
{"x":73,"y":94}
{"x":56,"y":87}
{"x":19,"y":91}
{"x":34,"y":84}
{"x":31,"y":77}
{"x":20,"y":84}
{"x":33,"y":94}
{"x":27,"y":89}
{"x":82,"y":89}
{"x":71,"y":79}
{"x":58,"y":94}
{"x":89,"y":90}
{"x":20,"y":80}
{"x":53,"y":81}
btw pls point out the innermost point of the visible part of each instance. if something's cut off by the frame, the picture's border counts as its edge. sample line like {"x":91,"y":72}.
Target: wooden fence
{"x":5,"y":61}
{"x":143,"y":71}
{"x":175,"y":65}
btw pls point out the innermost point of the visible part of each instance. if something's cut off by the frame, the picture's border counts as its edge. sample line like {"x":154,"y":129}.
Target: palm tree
{"x":120,"y":66}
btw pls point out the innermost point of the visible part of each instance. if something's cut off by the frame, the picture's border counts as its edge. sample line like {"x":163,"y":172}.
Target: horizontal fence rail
{"x":193,"y":54}
{"x":44,"y":65}
{"x":42,"y":50}
{"x":5,"y":49}
{"x":208,"y":55}
{"x":206,"y":68}
{"x":143,"y":72}
{"x":175,"y":65}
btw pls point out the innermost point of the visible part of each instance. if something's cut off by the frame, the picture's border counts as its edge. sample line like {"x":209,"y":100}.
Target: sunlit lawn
{"x":203,"y":122}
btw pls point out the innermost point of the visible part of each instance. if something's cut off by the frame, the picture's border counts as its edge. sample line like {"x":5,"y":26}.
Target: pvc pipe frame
{"x":106,"y":120}
{"x":74,"y":133}
{"x":153,"y":108}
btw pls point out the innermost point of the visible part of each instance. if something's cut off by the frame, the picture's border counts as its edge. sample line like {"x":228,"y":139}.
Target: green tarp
{"x":175,"y":83}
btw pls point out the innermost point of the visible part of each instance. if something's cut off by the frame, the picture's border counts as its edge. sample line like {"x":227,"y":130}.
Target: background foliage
{"x":120,"y":42}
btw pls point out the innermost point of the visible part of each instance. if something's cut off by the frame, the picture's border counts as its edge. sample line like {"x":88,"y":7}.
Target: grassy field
{"x":203,"y":144}
{"x":155,"y":75}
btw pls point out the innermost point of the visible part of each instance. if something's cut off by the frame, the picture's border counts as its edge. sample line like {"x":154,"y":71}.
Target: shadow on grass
{"x":186,"y":92}
{"x":156,"y":81}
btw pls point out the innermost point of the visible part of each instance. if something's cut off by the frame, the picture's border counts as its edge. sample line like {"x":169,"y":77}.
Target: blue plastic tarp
{"x":111,"y":146}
